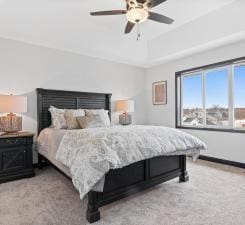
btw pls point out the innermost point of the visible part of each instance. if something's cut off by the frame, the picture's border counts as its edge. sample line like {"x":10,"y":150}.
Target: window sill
{"x":212,"y":129}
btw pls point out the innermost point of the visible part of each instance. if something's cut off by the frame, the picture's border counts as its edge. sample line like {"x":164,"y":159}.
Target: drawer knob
{"x":12,"y":142}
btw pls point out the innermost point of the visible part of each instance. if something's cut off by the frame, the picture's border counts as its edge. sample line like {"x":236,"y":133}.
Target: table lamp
{"x":125,"y":106}
{"x":11,"y":123}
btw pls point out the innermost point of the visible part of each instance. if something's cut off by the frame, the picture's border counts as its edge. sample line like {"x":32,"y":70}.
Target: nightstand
{"x":16,"y":156}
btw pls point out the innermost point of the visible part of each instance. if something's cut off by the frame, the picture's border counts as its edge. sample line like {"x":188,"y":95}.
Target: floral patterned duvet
{"x":91,"y":153}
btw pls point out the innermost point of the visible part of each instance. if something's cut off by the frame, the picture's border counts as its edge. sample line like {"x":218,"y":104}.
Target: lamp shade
{"x":13,"y":103}
{"x":125,"y":106}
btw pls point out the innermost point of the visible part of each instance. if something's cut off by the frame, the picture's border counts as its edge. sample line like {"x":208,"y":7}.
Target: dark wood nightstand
{"x":16,"y":156}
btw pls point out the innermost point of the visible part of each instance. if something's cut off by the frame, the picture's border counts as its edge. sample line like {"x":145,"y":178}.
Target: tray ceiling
{"x":67,"y":25}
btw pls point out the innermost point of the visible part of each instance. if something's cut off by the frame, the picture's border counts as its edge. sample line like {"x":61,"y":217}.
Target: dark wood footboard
{"x":123,"y":182}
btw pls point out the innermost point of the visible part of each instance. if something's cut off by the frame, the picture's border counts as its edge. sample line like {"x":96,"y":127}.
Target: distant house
{"x":215,"y":113}
{"x":240,"y":123}
{"x":198,"y":114}
{"x":214,"y":116}
{"x":211,"y":120}
{"x":217,"y":116}
{"x":191,"y":122}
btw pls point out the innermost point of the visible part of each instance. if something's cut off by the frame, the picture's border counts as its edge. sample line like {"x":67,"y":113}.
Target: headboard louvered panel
{"x":68,"y":100}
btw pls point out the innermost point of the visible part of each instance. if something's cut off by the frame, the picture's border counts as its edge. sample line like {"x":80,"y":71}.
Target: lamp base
{"x":125,"y":119}
{"x":10,"y":124}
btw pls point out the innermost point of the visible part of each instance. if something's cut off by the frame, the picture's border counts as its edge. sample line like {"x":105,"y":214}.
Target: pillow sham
{"x":91,"y":121}
{"x":103,"y":113}
{"x":57,"y":118}
{"x":71,"y":117}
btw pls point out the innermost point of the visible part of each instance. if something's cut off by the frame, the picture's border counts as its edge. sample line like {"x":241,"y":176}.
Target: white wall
{"x":229,"y":146}
{"x":24,"y":67}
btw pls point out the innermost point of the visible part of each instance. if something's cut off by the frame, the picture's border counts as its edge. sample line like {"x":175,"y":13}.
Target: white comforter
{"x":91,"y":153}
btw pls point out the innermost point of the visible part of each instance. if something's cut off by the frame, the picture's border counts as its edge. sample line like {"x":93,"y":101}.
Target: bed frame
{"x":119,"y":183}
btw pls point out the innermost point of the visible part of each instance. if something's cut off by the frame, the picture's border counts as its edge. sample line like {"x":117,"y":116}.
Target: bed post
{"x":93,"y":213}
{"x":184,"y":174}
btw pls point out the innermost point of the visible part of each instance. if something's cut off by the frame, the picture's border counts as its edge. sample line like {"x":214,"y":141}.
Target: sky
{"x":239,"y":86}
{"x":216,"y":89}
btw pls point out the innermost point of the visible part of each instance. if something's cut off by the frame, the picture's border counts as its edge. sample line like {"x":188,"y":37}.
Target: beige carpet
{"x":215,"y":195}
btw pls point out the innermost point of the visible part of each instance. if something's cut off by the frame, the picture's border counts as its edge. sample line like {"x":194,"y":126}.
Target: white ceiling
{"x":67,"y":25}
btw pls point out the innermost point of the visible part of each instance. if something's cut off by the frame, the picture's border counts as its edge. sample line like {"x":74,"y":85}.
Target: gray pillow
{"x":91,"y":121}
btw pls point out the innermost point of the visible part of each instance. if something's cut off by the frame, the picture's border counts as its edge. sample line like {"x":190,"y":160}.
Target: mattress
{"x":48,"y":144}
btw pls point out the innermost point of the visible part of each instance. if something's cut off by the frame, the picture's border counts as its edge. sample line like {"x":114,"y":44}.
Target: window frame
{"x":230,"y":65}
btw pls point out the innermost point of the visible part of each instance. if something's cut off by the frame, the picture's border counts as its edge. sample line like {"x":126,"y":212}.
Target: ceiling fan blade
{"x":129,"y":27}
{"x":108,"y":13}
{"x":154,"y":3}
{"x":160,"y":18}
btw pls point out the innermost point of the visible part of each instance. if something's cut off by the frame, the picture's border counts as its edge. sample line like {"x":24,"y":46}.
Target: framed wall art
{"x":159,"y":93}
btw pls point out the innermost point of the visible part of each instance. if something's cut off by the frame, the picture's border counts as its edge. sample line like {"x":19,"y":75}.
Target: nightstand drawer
{"x":10,"y":142}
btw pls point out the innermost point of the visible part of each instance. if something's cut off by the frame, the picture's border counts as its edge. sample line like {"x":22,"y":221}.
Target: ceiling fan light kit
{"x":137,"y":11}
{"x":137,"y":15}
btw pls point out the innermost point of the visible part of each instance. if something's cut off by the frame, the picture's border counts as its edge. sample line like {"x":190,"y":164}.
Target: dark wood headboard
{"x":68,"y":100}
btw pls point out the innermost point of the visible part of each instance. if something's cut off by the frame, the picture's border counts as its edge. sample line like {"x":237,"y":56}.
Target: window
{"x":192,"y":109}
{"x":217,"y":103}
{"x":212,"y":97}
{"x":239,"y":96}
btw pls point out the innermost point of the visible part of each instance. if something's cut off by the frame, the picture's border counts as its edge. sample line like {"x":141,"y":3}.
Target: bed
{"x":118,"y":183}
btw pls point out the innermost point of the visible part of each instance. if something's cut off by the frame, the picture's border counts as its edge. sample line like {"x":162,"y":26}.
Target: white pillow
{"x":71,"y":117}
{"x":58,"y":118}
{"x":103,"y":113}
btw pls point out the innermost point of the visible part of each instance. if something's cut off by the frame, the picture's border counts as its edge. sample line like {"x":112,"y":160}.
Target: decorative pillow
{"x":71,"y":117}
{"x":91,"y":121}
{"x":58,"y":118}
{"x":103,"y":113}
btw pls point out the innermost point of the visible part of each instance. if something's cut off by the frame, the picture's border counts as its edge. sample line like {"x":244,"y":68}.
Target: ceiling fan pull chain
{"x":138,"y":31}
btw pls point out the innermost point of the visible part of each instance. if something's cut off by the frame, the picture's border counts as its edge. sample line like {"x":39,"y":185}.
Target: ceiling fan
{"x":137,"y":11}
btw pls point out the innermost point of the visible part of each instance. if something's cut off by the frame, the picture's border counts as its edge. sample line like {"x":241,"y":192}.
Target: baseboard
{"x":222,"y":161}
